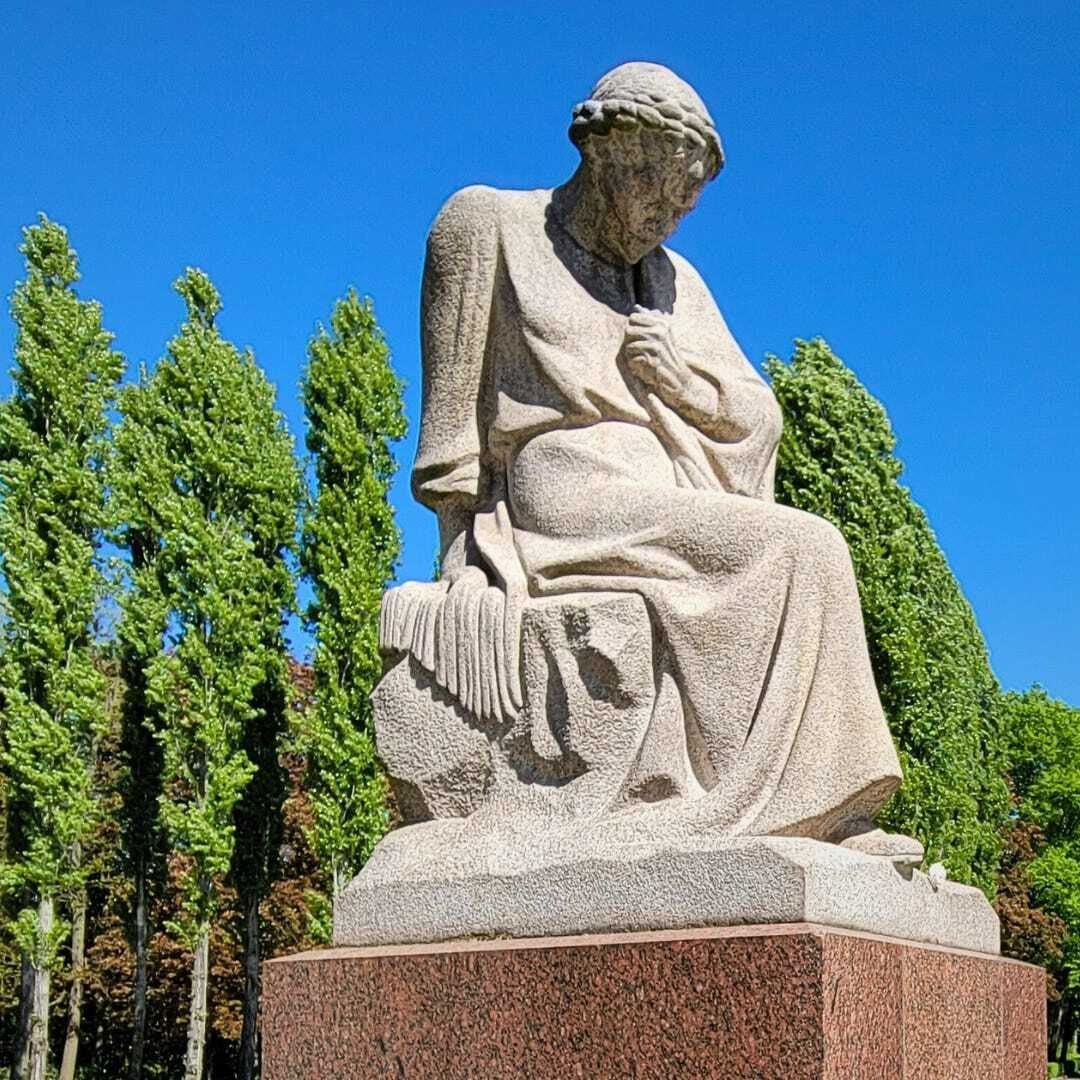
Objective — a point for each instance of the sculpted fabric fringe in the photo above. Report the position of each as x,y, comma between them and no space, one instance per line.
463,637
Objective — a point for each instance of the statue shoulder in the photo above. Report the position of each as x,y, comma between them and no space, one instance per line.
473,203
468,214
478,212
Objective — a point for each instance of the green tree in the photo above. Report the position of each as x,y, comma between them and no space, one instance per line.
837,460
52,444
1028,931
259,823
285,928
1042,744
352,400
142,854
205,467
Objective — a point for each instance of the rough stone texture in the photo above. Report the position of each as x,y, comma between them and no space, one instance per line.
577,746
794,1002
633,657
453,879
862,1014
958,1021
1023,989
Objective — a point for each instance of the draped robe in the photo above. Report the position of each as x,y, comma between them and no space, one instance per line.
572,476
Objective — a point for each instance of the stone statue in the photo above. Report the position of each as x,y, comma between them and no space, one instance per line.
639,695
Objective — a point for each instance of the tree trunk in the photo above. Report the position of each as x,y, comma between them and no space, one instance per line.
138,1031
257,821
196,1037
249,1037
1053,1022
75,998
39,1002
20,1060
1066,1033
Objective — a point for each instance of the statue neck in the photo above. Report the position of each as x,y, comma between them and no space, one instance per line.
586,213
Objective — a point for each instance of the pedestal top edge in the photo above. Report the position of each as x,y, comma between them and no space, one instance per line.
643,937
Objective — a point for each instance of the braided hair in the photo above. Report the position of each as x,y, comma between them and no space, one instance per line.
647,95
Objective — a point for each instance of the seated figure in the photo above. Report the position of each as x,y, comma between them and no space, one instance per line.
631,645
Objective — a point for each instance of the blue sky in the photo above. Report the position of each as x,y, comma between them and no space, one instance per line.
903,179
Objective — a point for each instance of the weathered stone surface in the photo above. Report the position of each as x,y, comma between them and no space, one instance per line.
589,735
747,1003
458,879
634,659
440,764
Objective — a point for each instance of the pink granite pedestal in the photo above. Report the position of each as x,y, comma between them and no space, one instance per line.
796,1002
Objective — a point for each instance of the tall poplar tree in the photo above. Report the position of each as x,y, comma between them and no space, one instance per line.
930,660
352,400
141,855
205,467
259,823
52,444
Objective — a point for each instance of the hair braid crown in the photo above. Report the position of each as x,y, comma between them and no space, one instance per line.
650,95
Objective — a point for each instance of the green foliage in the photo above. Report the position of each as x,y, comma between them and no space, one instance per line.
1042,743
352,400
1028,931
52,447
206,492
837,460
320,912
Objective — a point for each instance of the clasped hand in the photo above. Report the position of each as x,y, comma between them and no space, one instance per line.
653,357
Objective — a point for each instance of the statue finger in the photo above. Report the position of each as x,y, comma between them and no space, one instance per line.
642,334
667,379
643,352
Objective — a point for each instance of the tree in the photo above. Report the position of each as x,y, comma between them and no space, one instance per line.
352,400
258,819
1042,748
142,855
52,445
285,925
205,469
1028,932
837,460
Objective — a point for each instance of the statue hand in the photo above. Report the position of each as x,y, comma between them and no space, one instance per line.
654,357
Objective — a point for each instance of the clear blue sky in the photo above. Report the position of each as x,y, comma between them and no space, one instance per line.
903,179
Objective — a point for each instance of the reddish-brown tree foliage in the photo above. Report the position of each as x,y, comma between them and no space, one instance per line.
1027,932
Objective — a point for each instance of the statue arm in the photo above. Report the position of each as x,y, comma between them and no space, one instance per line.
728,399
695,368
459,279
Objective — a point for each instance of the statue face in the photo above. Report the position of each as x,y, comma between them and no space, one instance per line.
650,180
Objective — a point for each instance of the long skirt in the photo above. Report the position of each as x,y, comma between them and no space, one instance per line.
757,620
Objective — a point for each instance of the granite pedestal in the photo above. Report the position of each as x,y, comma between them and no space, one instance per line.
795,1001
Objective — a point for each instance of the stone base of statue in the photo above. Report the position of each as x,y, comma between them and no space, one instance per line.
591,809
456,879
763,1002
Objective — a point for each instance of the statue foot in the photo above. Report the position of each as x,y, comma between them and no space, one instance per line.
897,848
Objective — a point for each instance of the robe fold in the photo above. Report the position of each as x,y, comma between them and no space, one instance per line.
576,477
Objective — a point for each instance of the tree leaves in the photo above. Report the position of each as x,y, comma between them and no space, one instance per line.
206,490
52,447
352,400
1042,747
837,459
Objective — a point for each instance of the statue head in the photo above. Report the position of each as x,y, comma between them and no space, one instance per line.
649,146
